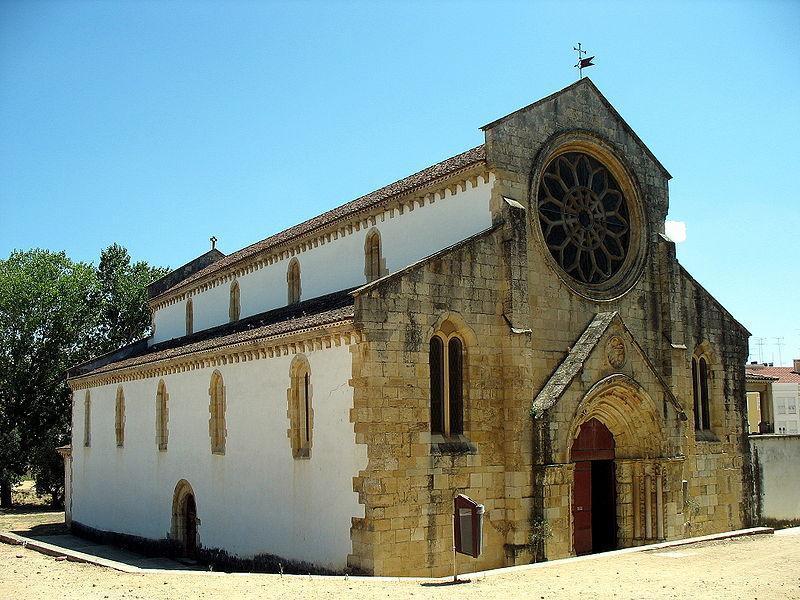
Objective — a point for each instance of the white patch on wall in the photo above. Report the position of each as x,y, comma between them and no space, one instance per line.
675,230
339,264
253,499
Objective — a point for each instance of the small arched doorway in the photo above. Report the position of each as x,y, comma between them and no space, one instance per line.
184,517
594,510
190,539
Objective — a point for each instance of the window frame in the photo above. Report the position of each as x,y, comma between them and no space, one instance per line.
452,418
293,282
702,395
189,317
301,408
217,407
119,417
235,302
162,416
373,256
87,420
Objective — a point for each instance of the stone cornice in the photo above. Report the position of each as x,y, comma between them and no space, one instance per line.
441,189
296,342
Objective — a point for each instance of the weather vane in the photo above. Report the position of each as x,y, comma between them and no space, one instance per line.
582,62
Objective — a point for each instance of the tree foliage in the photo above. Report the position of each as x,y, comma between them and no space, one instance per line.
121,299
54,314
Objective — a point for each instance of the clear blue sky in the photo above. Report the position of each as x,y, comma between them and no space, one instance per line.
158,124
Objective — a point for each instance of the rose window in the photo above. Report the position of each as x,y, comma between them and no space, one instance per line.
584,217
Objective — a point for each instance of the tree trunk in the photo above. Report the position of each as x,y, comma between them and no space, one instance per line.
56,498
5,494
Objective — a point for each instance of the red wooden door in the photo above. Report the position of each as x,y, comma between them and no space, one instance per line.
593,443
582,508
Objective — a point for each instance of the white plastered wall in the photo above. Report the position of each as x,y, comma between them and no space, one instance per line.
786,407
778,483
339,264
256,498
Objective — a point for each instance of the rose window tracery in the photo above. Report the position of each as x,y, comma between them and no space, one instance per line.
584,217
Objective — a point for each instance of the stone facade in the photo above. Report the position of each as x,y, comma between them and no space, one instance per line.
543,356
473,358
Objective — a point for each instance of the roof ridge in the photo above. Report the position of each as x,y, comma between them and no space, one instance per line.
317,321
586,81
401,186
779,374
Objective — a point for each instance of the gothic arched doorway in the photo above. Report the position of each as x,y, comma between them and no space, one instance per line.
184,517
594,510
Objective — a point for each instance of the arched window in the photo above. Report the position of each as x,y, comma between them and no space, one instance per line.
293,281
235,307
189,317
446,359
455,372
119,417
373,261
702,410
301,414
704,401
87,419
216,406
162,416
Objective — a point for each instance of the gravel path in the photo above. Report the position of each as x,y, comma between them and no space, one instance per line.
763,566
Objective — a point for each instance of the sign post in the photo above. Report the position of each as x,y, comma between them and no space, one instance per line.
455,567
467,529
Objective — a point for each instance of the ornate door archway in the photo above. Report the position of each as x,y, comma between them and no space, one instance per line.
594,517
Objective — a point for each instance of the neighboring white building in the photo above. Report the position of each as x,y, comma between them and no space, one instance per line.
785,394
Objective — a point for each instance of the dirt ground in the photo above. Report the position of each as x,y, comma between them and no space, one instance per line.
759,567
32,520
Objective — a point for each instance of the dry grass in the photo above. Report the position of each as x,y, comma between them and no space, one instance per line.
32,521
24,495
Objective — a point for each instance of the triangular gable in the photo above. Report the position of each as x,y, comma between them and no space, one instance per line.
588,84
575,361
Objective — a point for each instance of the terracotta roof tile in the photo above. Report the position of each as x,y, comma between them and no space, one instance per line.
318,312
403,186
758,376
783,374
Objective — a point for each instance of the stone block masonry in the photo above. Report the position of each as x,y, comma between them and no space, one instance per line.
520,319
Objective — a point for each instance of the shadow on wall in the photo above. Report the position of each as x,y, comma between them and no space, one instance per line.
215,559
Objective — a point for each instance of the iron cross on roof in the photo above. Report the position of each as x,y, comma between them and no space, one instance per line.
213,240
582,62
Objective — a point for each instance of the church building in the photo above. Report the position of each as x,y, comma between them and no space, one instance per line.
510,323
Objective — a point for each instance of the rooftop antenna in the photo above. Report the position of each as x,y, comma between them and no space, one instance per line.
213,240
760,343
779,343
582,62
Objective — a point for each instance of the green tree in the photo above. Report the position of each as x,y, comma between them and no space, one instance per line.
44,311
54,314
121,299
12,462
